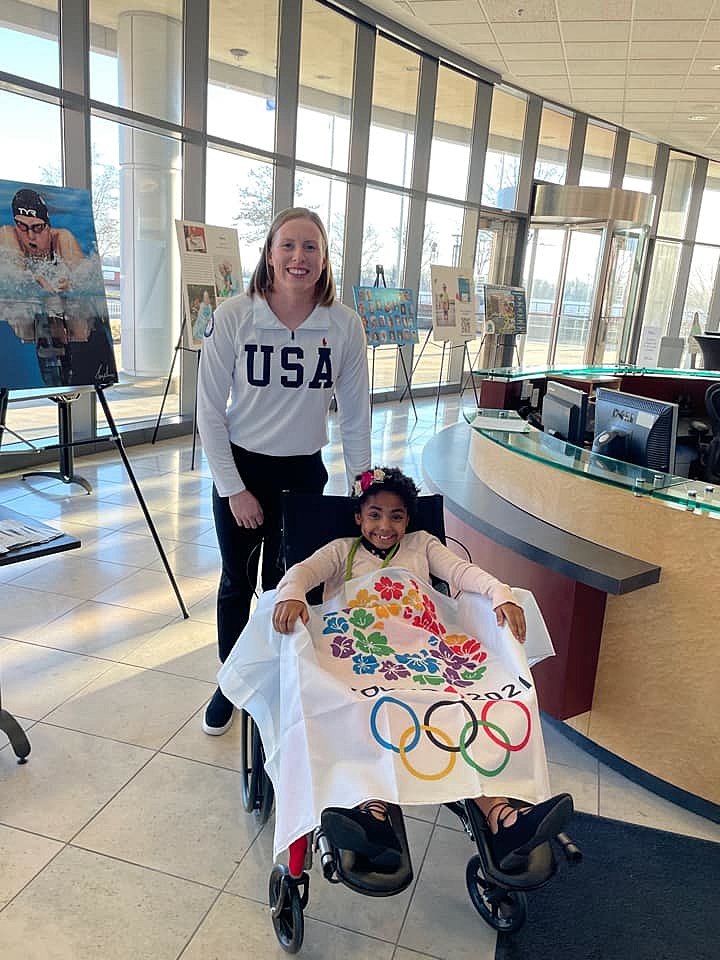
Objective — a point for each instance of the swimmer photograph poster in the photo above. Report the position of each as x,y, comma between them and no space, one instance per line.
54,326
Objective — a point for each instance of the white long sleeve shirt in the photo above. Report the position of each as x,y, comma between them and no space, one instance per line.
419,553
280,383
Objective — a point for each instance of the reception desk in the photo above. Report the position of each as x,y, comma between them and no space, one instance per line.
624,564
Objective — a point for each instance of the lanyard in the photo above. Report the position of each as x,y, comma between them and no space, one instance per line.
354,550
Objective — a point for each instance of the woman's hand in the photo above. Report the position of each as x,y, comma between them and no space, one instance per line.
246,509
285,614
514,616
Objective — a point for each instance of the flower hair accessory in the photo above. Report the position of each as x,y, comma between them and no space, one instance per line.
367,479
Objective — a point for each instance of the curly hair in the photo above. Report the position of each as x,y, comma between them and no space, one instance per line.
394,481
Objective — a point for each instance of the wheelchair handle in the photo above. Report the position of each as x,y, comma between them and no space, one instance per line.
570,849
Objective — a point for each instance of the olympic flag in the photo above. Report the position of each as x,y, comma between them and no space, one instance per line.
392,691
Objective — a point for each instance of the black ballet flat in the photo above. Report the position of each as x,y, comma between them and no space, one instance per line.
511,845
362,833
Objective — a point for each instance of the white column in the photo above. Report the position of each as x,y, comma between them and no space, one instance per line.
150,81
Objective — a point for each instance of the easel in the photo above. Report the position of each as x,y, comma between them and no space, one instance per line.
65,445
380,273
4,428
466,354
178,347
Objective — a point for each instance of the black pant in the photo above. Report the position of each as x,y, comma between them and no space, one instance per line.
265,477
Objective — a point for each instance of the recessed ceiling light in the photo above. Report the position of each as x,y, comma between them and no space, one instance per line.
238,52
715,67
697,116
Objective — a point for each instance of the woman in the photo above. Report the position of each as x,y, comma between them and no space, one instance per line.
279,353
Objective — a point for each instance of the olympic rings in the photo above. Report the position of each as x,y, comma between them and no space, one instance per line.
498,737
507,745
469,760
445,703
376,734
428,776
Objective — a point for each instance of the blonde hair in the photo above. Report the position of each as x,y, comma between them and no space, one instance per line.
261,282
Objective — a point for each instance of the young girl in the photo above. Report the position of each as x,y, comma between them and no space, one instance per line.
386,503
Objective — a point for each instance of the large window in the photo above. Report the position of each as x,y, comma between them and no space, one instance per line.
242,72
239,193
452,134
392,126
640,165
701,282
29,42
707,228
658,304
327,62
502,163
36,154
326,196
676,195
598,154
553,145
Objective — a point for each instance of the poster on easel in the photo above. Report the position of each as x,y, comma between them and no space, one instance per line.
54,323
387,314
211,273
505,310
453,305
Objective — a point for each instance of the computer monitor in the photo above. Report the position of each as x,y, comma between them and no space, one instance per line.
635,429
564,412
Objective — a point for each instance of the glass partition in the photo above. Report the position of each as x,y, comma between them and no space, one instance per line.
676,195
661,288
598,154
242,72
326,196
452,134
392,125
640,165
327,62
502,161
707,228
36,154
29,42
553,145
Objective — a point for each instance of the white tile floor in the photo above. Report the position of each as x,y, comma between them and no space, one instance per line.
123,837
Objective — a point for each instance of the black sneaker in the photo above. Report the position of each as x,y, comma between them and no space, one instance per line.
218,714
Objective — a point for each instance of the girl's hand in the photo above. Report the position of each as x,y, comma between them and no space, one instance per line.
285,614
514,616
246,509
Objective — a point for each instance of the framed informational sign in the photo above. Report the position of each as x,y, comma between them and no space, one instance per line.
453,304
388,315
54,327
211,272
505,309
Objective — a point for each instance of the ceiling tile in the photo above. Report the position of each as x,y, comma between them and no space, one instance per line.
617,82
663,50
538,32
583,30
469,32
709,80
596,51
649,82
538,68
596,68
649,106
706,51
598,106
651,68
448,11
712,30
701,95
669,9
652,30
501,11
659,94
599,92
483,52
534,51
703,68
608,10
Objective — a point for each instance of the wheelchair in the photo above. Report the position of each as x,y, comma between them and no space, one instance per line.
308,522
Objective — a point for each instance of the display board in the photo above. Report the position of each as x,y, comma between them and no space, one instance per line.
453,304
211,272
505,310
387,314
54,326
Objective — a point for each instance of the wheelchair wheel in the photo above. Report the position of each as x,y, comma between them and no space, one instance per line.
250,779
286,909
505,910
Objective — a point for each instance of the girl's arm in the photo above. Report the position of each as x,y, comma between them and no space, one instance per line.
302,577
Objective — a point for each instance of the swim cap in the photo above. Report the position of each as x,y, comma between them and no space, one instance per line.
29,203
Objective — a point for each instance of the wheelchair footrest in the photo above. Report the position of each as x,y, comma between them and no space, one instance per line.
359,874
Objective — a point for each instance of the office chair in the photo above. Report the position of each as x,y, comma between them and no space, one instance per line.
712,453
